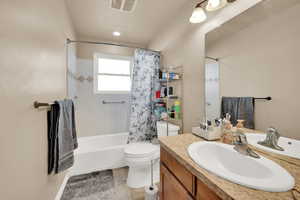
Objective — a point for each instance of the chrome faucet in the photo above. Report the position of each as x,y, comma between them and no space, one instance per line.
271,140
241,145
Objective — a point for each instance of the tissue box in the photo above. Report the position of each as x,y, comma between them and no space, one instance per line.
213,134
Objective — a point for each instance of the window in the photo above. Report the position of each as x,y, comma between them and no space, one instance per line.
112,74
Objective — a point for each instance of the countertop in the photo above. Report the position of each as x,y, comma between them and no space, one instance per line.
177,146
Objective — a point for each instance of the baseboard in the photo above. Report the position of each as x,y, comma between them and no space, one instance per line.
62,187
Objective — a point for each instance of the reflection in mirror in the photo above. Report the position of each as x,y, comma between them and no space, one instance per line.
212,91
258,56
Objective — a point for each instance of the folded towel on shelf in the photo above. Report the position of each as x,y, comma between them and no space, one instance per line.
239,108
62,136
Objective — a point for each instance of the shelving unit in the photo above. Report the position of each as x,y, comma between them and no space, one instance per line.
177,85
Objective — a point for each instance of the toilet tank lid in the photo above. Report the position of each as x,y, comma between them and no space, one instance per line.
163,125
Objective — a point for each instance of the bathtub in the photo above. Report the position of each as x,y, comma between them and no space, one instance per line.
96,153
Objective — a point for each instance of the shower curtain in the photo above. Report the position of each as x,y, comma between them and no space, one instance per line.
145,81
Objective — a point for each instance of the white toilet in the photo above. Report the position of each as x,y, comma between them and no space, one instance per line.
139,155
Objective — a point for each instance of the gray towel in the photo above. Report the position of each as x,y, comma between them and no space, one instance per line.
66,136
239,108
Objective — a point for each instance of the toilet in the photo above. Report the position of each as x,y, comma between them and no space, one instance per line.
138,156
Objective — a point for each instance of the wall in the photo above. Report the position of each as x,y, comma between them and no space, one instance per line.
262,60
93,117
183,44
32,67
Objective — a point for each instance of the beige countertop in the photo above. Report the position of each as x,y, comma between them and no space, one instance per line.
177,146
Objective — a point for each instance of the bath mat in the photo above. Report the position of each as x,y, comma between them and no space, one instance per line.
92,186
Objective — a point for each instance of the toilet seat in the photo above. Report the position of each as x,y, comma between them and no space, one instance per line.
141,150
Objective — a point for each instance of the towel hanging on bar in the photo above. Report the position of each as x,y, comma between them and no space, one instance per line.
62,138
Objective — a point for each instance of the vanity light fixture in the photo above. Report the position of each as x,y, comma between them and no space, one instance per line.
116,33
199,14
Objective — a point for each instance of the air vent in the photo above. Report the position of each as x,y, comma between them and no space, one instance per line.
123,5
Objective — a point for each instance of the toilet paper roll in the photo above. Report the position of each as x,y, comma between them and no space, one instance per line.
151,193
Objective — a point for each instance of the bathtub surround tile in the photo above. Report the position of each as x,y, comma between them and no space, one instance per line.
103,185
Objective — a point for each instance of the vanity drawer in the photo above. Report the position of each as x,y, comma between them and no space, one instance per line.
179,171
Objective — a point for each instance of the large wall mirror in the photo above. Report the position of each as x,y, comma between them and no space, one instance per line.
254,56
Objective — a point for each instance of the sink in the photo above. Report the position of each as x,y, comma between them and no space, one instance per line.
222,160
291,147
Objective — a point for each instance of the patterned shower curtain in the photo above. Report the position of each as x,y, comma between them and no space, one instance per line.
145,81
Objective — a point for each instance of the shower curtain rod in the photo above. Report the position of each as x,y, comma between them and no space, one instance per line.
215,59
107,43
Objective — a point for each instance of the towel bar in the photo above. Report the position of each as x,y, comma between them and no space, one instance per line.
113,102
37,104
266,98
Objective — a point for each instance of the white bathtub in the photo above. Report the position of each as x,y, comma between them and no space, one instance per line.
96,153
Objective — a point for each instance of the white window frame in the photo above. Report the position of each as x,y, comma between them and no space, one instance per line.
96,73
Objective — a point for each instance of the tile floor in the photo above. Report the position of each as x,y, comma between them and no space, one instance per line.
103,185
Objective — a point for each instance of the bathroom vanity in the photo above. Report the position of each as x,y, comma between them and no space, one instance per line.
182,179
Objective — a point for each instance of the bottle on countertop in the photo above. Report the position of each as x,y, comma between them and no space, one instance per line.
240,123
227,136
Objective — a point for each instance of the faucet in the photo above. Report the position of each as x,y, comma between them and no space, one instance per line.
271,140
241,145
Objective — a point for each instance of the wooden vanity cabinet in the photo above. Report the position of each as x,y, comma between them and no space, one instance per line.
170,187
178,183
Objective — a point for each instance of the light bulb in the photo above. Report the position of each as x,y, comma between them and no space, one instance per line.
116,33
198,15
213,5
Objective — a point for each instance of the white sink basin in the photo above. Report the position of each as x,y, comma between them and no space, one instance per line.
291,147
222,160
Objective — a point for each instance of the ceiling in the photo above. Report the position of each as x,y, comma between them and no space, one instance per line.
95,20
259,12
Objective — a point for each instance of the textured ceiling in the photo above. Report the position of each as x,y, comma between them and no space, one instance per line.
95,20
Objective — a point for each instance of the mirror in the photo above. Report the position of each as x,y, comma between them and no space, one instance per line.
253,56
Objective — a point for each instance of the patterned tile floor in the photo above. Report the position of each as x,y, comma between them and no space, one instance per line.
103,185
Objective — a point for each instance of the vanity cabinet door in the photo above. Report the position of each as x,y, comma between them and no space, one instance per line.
170,187
204,193
185,177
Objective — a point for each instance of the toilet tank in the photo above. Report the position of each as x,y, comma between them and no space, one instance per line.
162,129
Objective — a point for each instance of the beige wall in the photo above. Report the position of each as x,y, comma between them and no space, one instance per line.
262,60
183,44
32,67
